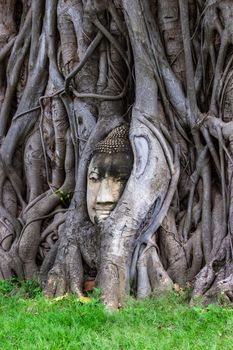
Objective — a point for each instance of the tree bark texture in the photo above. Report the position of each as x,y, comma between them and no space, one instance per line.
70,72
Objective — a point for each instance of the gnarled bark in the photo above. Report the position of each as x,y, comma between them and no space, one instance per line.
71,71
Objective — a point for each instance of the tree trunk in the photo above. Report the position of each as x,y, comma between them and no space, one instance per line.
71,72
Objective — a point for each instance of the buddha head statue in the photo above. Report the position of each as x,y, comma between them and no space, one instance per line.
108,172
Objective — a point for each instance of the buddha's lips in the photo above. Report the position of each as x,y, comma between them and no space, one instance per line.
103,211
102,214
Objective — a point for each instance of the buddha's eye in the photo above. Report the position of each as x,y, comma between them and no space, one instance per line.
94,177
121,179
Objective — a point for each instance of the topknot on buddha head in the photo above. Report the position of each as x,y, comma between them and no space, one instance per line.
117,141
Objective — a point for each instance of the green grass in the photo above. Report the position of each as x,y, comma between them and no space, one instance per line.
28,321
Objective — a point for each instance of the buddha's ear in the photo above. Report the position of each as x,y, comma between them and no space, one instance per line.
141,151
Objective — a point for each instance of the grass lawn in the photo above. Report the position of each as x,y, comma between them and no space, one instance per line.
160,323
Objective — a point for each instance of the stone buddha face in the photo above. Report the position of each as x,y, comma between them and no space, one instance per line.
108,172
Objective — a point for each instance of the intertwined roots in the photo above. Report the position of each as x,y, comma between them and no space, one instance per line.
70,73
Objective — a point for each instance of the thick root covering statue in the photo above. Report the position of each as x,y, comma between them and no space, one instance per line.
116,153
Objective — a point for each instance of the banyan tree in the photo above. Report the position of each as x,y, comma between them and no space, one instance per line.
116,158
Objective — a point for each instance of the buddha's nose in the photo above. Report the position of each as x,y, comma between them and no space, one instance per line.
105,194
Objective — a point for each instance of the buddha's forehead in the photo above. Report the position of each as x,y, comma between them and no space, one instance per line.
113,164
